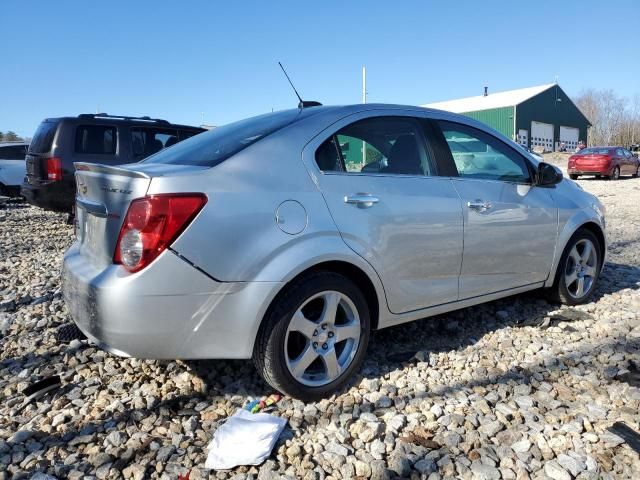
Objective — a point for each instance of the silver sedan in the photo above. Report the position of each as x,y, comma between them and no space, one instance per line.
289,237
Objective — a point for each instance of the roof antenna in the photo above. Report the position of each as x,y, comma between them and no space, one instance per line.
302,103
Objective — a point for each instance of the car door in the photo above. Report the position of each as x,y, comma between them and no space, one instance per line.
630,165
510,225
380,183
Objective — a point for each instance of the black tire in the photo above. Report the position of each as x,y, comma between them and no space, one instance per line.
269,349
573,176
598,177
559,292
615,175
3,191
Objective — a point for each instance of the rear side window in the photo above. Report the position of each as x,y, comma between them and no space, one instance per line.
42,141
96,139
478,155
389,145
147,141
213,147
13,152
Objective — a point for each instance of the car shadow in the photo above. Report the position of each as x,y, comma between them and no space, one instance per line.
461,328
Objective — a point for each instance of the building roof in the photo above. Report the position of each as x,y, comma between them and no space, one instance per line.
509,98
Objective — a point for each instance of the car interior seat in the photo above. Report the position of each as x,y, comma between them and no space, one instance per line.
404,157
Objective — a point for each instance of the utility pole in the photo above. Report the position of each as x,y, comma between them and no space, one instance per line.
364,100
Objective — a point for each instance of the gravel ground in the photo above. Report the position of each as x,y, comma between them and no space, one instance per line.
517,388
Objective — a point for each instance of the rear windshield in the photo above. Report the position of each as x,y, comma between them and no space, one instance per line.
42,141
213,147
594,151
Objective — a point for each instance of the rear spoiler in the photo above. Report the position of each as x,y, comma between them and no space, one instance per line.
99,168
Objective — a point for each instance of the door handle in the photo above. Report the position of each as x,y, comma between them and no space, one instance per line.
361,200
479,205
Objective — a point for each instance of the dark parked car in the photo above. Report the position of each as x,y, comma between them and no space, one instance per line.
99,138
608,162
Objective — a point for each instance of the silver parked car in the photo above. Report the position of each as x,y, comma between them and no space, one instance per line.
288,237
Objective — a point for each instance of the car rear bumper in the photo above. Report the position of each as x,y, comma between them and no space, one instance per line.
589,171
56,196
168,310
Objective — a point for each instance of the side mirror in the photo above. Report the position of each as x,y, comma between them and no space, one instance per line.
548,175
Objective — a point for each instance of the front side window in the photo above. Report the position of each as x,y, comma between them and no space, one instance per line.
477,154
96,140
388,145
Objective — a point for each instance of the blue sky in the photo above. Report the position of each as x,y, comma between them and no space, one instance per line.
175,60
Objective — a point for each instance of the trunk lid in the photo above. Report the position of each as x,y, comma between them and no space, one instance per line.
591,160
102,199
104,194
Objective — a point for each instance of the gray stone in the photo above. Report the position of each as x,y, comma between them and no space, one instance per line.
336,448
553,469
425,466
483,471
573,465
400,464
491,428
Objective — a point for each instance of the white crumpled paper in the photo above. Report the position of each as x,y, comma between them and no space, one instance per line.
244,439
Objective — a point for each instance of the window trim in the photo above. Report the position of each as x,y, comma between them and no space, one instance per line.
417,124
92,125
502,147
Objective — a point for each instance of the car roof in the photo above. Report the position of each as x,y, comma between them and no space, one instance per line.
111,119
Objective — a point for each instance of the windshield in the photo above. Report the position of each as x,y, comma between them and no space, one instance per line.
213,147
594,151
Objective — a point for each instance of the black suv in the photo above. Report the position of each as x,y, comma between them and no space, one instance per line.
100,138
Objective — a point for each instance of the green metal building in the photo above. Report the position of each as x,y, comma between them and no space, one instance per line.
542,117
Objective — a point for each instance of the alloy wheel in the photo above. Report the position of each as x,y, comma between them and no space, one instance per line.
581,268
322,338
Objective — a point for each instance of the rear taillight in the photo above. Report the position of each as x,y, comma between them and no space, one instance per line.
152,223
54,169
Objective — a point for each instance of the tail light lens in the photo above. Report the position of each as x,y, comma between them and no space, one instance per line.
54,169
152,224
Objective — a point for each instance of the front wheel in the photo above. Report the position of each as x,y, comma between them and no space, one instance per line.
314,336
578,269
573,176
615,175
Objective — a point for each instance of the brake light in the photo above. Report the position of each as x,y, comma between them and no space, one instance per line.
152,224
54,169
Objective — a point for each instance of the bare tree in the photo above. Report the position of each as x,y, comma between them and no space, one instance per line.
615,120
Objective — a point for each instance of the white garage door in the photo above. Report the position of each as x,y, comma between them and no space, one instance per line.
542,135
569,136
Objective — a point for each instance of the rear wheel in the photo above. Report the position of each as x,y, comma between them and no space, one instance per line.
615,175
578,269
314,336
573,176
